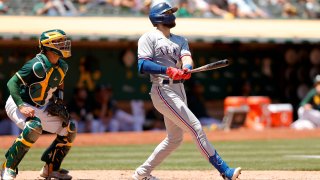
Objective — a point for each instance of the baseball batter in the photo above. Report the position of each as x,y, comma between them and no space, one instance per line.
166,57
31,88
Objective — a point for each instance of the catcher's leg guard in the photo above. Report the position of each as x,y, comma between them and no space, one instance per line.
59,148
22,144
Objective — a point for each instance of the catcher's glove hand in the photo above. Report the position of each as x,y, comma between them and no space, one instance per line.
57,108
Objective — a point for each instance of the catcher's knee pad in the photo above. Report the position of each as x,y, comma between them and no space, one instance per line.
32,130
22,144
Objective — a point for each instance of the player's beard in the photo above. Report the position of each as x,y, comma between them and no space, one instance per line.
171,25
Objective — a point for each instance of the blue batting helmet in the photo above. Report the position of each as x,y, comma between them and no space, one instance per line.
162,13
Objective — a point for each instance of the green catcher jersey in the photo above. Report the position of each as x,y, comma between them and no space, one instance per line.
40,79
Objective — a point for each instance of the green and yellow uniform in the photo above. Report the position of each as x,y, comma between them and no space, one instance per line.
31,88
309,110
39,79
312,98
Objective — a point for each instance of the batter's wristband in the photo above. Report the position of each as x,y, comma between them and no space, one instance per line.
188,66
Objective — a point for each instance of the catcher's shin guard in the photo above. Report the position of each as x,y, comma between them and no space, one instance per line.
59,148
22,144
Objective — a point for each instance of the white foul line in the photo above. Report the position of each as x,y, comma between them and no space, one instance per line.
303,156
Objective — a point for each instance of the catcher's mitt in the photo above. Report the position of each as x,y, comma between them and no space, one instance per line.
57,108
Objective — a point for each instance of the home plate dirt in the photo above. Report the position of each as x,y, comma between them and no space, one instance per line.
182,175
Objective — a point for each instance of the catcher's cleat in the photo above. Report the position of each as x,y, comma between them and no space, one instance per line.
8,174
232,173
64,171
137,176
49,174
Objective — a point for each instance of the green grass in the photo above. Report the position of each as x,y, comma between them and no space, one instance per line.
251,155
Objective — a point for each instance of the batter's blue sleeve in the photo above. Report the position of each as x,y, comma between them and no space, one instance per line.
149,67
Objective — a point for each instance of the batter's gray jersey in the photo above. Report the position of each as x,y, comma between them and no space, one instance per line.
170,99
154,46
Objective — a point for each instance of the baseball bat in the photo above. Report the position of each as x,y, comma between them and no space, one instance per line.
211,66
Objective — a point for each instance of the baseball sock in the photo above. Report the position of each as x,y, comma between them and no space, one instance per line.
218,163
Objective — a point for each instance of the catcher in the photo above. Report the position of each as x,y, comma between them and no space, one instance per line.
28,106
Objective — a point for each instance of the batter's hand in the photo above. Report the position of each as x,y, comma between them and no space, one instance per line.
186,74
27,111
174,73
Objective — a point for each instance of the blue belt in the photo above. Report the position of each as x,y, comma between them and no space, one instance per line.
173,82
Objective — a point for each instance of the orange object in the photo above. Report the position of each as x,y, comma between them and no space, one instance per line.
258,116
235,112
281,115
234,101
261,113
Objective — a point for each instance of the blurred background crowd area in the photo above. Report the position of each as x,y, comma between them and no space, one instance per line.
104,92
227,9
103,100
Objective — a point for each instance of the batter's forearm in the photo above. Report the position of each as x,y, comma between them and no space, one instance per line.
187,62
149,67
14,87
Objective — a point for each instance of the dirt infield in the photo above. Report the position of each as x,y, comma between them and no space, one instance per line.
155,137
185,175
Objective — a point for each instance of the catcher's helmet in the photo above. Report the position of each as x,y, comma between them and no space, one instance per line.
56,41
162,13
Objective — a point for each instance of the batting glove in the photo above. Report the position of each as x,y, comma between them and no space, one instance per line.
174,73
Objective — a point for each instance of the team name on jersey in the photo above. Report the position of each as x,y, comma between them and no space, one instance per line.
167,50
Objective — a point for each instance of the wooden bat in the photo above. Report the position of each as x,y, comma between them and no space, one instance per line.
211,66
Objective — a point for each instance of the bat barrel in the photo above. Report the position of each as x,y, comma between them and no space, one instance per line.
211,66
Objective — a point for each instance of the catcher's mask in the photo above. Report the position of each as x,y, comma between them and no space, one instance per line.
56,41
162,13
